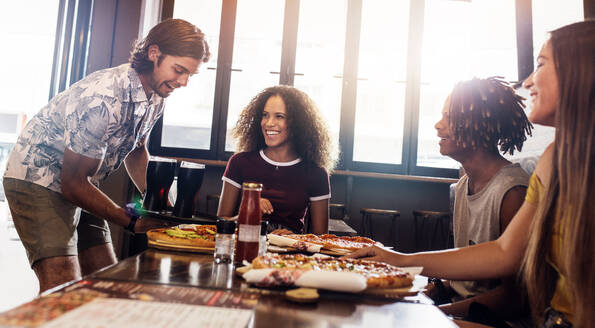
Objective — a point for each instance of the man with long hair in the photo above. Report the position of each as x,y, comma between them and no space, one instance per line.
80,137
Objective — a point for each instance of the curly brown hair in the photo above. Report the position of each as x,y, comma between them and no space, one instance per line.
487,113
308,132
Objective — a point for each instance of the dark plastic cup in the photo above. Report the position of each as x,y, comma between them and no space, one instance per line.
190,176
160,175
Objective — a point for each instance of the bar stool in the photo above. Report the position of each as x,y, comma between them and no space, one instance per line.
432,230
336,211
367,221
211,197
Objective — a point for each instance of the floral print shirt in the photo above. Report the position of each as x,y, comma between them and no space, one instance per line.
102,116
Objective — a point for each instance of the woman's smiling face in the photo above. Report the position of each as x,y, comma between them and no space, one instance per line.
543,88
274,122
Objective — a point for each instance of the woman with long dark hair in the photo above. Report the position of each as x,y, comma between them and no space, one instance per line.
550,241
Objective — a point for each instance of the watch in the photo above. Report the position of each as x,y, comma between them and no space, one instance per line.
132,213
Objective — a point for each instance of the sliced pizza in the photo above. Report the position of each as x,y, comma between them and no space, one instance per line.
185,235
333,242
377,274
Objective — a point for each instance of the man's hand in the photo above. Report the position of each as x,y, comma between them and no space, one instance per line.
265,206
143,224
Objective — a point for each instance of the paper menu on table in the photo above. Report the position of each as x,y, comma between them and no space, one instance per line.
111,312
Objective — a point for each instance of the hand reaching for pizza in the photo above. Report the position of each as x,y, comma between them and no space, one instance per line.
265,206
144,223
376,253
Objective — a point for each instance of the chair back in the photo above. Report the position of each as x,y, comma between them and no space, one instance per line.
433,230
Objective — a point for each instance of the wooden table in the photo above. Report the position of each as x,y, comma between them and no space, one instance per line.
273,310
191,275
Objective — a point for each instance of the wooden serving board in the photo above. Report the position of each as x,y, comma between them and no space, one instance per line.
182,248
335,252
419,284
287,249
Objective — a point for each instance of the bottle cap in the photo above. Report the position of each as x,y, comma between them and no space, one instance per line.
263,227
225,226
252,186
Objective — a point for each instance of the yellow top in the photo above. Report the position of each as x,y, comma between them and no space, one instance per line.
561,300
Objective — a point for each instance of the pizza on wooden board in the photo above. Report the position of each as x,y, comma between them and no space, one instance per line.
377,274
332,242
186,235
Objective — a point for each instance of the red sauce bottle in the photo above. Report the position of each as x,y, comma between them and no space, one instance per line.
249,223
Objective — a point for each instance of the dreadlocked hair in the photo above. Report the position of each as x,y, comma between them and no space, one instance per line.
487,113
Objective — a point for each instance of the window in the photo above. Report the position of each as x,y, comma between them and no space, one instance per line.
187,122
379,70
381,78
551,14
28,32
319,56
452,51
256,56
547,15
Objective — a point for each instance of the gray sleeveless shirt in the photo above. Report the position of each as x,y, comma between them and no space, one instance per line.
477,217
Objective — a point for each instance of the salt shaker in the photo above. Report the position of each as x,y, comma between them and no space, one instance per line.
262,241
225,241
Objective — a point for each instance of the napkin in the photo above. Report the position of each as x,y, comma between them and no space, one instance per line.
297,244
329,280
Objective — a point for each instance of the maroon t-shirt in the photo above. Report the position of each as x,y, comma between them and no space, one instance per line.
289,186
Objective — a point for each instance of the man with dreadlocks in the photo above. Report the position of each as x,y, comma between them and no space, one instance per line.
478,116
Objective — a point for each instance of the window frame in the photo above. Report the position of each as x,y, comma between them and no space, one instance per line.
408,166
73,33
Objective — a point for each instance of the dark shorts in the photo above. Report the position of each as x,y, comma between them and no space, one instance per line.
48,224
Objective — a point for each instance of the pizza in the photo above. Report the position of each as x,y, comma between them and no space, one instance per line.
332,242
186,235
377,274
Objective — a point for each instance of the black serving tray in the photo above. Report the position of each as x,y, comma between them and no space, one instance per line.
202,218
167,216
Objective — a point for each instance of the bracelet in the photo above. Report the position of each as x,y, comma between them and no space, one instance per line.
133,215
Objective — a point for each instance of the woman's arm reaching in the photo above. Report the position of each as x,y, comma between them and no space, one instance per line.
494,259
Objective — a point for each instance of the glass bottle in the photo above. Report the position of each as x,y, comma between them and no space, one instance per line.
262,242
225,241
249,222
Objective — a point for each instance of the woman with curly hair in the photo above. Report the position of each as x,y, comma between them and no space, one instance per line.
550,240
283,143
